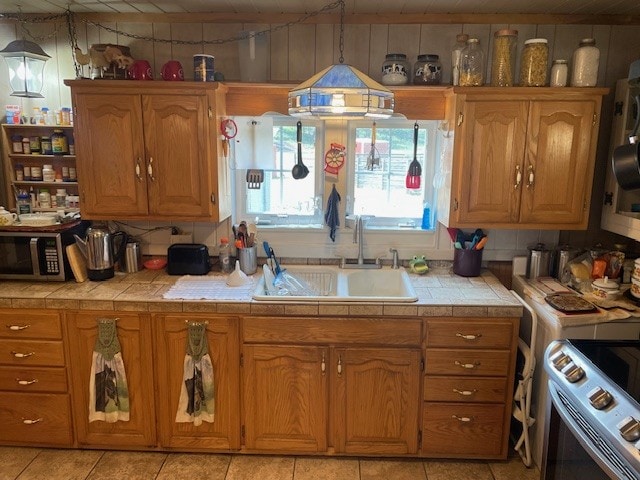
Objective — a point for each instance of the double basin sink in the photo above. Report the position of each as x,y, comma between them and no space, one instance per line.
332,284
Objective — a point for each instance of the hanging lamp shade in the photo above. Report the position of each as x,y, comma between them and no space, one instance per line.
341,90
25,61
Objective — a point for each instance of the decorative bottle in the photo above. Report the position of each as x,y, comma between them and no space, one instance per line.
585,63
461,42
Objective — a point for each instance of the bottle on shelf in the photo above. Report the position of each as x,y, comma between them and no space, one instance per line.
23,203
585,64
44,198
472,64
461,42
59,143
559,73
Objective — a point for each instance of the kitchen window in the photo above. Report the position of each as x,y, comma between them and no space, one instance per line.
280,199
378,178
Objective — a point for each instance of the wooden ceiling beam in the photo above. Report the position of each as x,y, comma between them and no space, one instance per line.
382,18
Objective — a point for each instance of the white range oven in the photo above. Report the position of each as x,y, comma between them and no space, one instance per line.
553,326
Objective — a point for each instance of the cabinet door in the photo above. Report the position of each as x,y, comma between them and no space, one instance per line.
559,162
285,398
489,153
376,400
178,174
110,155
222,338
134,334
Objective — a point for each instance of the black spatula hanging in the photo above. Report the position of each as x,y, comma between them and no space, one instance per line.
414,173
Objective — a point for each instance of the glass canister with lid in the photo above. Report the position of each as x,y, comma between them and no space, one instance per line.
533,66
586,59
559,73
503,60
395,69
472,64
427,70
456,51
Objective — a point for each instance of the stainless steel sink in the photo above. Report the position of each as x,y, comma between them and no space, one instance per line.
331,284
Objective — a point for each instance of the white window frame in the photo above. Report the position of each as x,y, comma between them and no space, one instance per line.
277,220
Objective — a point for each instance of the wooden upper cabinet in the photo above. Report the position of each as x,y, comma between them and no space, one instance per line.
150,150
523,157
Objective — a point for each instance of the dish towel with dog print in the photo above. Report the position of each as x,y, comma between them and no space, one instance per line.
196,404
108,391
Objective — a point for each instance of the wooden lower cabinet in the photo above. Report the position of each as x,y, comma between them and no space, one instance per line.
468,386
34,401
170,343
135,337
334,385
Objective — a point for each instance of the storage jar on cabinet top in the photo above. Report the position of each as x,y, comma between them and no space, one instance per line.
586,58
503,60
472,64
559,73
427,70
456,51
395,69
533,66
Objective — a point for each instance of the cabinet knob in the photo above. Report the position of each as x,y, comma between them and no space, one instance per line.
150,169
138,172
323,365
462,419
518,177
470,336
465,393
28,421
22,355
26,382
17,327
530,176
467,365
339,364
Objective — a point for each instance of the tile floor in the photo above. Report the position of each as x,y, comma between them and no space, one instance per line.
50,464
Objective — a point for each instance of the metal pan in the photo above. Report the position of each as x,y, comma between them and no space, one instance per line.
624,160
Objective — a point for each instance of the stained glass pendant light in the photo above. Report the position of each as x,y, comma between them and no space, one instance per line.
26,61
341,90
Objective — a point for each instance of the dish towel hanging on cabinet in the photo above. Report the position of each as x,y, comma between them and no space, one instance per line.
108,391
196,404
331,217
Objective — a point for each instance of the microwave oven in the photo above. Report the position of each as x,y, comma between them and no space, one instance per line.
37,253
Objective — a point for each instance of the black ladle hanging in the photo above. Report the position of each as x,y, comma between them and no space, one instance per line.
625,159
299,170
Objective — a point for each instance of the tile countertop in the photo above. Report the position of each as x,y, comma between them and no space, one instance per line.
440,293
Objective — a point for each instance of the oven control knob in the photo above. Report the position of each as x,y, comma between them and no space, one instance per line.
600,398
573,373
560,360
629,429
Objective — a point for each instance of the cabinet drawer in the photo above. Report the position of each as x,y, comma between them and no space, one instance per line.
370,331
20,379
462,429
465,389
31,352
49,414
470,333
450,361
29,324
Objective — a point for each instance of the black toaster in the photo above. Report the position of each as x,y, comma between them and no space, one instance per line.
188,259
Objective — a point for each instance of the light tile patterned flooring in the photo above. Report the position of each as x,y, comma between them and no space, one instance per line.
50,464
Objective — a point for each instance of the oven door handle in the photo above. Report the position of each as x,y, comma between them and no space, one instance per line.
586,443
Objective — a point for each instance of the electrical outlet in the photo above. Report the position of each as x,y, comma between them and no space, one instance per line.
183,238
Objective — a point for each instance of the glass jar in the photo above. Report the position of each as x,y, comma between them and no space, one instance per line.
427,70
533,66
44,198
461,42
48,173
61,197
26,145
59,141
36,173
472,64
16,144
586,58
396,69
559,73
45,146
503,60
35,144
19,172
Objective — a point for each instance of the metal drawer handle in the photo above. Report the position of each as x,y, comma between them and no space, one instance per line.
462,419
339,364
469,336
323,365
22,355
18,327
26,382
467,365
28,421
465,393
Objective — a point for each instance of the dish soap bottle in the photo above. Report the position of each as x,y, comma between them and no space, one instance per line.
225,256
426,217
